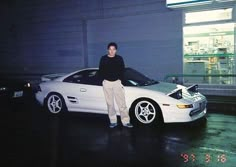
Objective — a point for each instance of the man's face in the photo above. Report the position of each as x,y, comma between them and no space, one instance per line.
112,51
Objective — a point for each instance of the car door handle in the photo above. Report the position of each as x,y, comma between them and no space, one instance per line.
83,90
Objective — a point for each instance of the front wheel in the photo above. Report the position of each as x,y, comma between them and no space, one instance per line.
55,103
146,112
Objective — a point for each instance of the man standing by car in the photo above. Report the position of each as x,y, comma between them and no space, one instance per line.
111,69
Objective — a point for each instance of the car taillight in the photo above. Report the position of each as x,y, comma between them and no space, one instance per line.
3,89
27,85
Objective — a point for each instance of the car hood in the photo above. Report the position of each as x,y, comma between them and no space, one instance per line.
164,87
167,88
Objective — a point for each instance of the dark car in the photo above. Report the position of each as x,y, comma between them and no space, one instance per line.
14,91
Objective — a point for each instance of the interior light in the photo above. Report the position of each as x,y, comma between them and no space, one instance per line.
212,15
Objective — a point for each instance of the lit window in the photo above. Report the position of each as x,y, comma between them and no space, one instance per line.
186,3
213,15
209,50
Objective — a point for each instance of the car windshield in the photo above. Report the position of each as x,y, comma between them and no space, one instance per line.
135,78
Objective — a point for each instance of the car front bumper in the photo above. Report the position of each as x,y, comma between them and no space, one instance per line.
187,115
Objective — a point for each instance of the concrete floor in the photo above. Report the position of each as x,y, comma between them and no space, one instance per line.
31,137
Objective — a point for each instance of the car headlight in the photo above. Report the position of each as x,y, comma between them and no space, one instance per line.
184,106
3,88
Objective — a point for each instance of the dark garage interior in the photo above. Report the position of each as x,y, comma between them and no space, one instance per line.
178,45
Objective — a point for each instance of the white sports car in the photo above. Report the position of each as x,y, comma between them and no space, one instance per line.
149,101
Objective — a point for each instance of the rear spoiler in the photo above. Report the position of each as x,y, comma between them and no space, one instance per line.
50,77
176,94
193,88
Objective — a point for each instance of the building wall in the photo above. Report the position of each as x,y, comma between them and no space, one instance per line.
148,34
7,35
42,37
151,43
61,36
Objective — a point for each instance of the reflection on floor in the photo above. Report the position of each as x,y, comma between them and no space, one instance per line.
31,137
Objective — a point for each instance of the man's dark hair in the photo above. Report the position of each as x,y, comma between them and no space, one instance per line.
112,44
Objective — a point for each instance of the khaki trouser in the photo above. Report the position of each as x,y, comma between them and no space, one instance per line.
114,89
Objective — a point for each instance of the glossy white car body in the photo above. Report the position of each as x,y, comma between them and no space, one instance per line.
80,97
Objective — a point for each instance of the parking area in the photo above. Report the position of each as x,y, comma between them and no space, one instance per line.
169,61
32,137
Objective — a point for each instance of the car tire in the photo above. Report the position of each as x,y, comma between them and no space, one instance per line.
55,103
146,112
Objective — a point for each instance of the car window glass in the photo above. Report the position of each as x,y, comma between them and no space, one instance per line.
92,74
89,77
135,78
92,78
75,78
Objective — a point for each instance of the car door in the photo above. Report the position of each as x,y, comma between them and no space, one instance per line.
72,91
85,92
91,93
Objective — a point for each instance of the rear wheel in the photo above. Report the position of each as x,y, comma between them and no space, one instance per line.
146,112
55,103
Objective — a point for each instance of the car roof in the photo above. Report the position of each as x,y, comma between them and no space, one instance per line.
69,74
84,69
